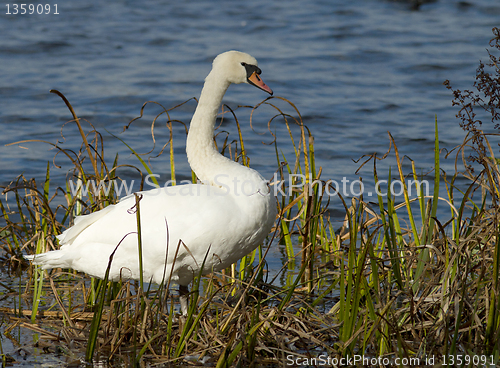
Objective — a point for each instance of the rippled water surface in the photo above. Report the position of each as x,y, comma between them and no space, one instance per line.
354,69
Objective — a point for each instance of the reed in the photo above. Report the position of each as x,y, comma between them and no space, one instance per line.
399,280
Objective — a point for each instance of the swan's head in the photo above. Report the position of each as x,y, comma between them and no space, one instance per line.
238,67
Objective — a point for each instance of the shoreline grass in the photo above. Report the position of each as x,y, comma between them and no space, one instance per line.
397,282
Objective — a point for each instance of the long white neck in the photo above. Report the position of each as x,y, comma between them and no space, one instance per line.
202,155
208,164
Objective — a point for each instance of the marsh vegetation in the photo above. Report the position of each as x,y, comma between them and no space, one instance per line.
397,281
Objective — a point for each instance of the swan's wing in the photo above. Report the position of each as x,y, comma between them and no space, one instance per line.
180,223
81,223
179,207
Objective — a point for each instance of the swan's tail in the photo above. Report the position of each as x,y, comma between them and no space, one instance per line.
59,258
52,259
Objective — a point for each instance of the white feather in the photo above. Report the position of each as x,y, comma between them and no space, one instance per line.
228,216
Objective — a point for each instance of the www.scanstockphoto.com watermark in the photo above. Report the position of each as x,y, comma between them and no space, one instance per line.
278,187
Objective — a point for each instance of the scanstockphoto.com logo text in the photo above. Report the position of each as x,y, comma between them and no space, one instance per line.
277,186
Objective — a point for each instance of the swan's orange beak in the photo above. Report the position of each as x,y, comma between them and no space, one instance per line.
257,82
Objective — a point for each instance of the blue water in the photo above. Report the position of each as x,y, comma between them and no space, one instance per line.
354,69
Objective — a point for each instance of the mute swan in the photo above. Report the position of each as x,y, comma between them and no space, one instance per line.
223,219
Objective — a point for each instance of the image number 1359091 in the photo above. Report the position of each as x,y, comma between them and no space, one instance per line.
29,9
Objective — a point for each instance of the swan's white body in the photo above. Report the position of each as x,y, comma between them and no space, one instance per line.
223,219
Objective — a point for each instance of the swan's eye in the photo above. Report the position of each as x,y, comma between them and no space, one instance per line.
243,63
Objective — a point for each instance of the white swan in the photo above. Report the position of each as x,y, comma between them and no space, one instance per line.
228,215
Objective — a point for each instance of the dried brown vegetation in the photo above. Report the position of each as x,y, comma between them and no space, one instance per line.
398,282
